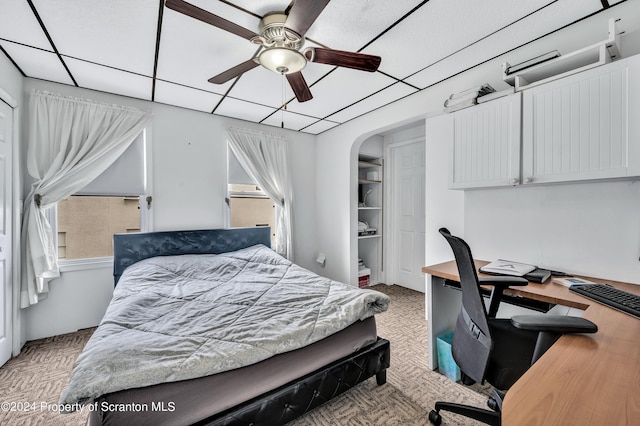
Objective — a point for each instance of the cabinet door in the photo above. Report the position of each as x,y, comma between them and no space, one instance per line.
576,128
486,149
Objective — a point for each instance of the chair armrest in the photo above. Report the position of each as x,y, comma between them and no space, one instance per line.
503,281
554,323
499,283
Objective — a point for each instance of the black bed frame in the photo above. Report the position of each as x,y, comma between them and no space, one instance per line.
287,402
294,399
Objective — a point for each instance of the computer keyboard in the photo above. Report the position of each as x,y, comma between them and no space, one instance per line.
617,299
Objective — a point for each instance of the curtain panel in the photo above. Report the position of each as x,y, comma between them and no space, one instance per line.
265,158
71,142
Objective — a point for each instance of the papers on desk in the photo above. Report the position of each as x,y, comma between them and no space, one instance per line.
517,269
507,267
569,281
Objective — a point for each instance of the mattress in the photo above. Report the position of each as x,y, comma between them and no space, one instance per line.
189,401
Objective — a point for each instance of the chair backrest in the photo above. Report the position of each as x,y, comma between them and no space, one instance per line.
472,343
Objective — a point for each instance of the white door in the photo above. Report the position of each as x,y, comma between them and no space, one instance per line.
6,159
407,215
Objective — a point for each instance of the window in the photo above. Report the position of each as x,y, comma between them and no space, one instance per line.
248,204
113,203
86,224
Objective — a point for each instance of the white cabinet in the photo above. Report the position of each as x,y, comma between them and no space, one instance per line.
370,199
486,148
584,126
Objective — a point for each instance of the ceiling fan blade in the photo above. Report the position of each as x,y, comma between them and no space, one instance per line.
299,86
340,58
234,72
209,18
303,14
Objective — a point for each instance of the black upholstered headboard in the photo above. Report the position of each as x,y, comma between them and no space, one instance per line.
131,248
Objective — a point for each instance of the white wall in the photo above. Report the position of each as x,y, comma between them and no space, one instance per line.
189,178
584,228
10,78
444,207
336,153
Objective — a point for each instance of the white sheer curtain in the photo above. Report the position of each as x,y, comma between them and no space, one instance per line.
265,158
71,142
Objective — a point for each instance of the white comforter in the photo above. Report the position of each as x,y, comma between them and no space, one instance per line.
180,317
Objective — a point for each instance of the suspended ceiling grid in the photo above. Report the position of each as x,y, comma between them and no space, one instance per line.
142,49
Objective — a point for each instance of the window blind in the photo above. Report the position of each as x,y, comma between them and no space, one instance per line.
237,175
125,176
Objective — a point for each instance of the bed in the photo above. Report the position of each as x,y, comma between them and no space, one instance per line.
270,376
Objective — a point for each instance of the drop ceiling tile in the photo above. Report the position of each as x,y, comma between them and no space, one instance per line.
110,80
349,25
186,97
290,120
234,14
340,89
19,24
320,126
261,8
116,33
237,108
37,63
442,27
384,97
191,52
533,26
263,87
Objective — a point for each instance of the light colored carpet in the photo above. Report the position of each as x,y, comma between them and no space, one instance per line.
33,381
411,389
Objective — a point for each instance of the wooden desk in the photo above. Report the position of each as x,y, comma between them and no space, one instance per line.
590,379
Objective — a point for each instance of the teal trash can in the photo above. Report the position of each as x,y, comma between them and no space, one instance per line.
446,363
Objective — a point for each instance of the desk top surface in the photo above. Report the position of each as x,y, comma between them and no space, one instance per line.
588,379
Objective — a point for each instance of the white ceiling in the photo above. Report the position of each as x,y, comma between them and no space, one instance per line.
141,49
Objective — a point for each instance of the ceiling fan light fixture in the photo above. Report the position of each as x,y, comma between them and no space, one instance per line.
282,60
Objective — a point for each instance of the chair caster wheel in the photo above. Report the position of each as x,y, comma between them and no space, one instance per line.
466,380
435,418
493,404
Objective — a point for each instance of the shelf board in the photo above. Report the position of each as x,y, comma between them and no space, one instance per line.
580,60
367,237
369,208
369,158
365,164
368,181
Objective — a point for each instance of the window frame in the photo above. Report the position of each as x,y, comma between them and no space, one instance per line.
146,217
249,194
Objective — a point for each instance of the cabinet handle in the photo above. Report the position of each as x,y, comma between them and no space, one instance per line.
528,180
514,181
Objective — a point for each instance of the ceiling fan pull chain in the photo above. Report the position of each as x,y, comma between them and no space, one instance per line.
284,105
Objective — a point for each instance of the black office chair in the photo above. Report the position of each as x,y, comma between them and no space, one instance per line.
496,350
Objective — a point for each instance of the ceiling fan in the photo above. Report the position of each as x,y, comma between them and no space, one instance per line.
281,37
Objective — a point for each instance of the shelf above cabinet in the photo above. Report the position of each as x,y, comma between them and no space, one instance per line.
580,60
